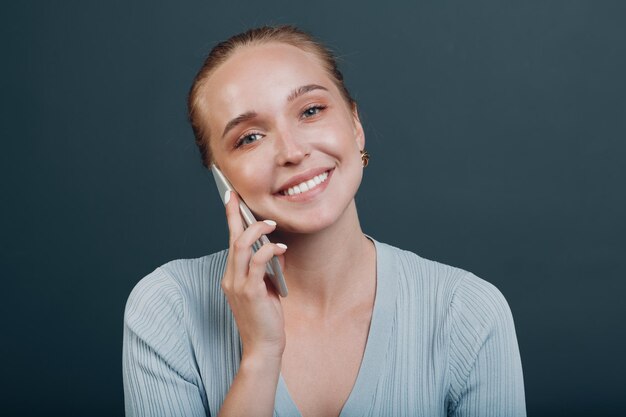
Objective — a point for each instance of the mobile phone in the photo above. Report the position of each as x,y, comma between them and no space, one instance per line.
273,269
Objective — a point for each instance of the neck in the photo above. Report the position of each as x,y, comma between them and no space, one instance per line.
331,269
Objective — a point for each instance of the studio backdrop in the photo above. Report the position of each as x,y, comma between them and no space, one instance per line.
497,131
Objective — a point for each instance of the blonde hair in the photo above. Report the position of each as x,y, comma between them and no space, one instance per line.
222,51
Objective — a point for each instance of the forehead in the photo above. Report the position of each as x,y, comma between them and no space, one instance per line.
258,76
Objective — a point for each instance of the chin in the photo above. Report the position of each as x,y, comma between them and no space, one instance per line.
307,225
316,221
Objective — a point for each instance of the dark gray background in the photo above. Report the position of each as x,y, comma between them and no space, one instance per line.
497,132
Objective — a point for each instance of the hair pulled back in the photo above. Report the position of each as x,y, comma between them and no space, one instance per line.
222,51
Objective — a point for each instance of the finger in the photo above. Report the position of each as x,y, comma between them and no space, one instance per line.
233,217
259,261
235,229
271,290
242,247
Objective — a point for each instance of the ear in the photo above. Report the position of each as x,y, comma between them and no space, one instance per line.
359,134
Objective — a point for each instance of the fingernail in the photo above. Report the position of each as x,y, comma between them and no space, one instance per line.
270,222
281,245
226,197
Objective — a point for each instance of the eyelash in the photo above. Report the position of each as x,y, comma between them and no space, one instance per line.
320,108
243,138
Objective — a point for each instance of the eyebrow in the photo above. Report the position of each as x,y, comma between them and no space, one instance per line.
244,117
239,119
303,90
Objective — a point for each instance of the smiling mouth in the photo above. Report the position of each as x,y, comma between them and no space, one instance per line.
306,185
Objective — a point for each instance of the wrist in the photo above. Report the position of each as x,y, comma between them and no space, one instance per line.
254,363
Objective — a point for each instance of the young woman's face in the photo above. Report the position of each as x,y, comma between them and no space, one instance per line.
277,121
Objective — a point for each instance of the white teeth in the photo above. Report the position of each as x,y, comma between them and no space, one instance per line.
306,185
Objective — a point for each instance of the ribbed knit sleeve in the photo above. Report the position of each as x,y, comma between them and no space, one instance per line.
158,378
485,367
441,343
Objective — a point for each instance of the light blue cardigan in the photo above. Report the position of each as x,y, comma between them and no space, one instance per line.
441,343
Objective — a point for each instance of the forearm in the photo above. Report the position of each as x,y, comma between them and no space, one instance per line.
253,390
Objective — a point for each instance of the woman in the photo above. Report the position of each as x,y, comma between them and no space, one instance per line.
367,329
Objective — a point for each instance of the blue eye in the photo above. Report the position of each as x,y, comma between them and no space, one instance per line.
312,111
248,139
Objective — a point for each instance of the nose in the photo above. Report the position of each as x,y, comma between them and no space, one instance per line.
290,149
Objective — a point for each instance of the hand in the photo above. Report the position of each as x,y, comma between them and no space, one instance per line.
255,304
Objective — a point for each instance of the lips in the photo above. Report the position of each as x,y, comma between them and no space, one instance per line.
306,185
303,179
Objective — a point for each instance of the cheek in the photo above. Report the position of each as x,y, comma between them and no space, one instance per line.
252,174
252,178
339,142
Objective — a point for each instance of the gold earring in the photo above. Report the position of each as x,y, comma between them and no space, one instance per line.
365,158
